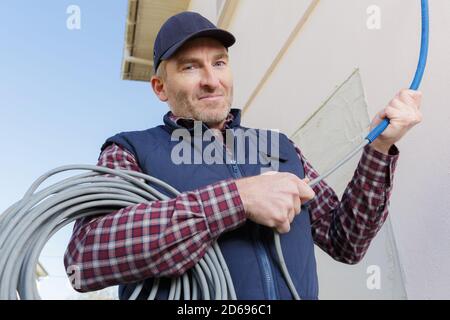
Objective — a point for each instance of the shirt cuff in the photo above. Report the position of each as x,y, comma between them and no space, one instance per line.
223,207
378,168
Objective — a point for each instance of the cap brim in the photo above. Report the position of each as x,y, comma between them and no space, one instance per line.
224,37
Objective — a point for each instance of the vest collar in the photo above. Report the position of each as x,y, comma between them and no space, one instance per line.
174,123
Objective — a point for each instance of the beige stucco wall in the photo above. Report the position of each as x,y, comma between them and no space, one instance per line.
330,45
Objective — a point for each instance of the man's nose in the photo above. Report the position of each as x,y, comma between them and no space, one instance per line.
210,78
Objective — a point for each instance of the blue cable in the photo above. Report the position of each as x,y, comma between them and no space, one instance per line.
419,72
376,132
369,139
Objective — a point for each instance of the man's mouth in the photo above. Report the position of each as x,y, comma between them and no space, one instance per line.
211,98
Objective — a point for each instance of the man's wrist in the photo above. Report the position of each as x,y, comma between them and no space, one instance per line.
381,147
242,186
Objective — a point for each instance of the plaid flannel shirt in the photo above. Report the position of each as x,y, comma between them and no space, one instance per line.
166,238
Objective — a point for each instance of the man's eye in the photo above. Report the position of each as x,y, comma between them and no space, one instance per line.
189,67
221,63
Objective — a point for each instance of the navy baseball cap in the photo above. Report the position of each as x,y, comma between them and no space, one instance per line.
185,26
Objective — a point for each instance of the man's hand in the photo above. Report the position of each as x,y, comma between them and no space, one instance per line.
404,113
274,199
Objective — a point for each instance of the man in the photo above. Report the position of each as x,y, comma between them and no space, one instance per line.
232,203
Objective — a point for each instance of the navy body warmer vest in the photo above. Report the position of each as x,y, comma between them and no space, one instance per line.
249,250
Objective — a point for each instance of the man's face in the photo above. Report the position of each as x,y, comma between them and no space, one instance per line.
199,83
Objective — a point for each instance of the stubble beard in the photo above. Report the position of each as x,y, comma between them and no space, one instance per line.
208,113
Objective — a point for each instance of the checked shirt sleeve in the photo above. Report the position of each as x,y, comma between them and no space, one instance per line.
161,238
344,229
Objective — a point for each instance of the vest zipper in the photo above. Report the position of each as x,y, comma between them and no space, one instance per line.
265,263
261,250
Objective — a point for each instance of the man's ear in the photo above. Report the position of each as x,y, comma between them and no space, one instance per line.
158,87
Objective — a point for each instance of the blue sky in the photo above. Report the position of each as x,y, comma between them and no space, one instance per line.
61,97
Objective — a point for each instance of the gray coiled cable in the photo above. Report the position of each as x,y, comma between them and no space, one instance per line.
27,225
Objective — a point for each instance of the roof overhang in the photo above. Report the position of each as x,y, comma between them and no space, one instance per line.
144,19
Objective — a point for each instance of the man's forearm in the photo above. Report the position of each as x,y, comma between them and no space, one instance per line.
344,229
161,238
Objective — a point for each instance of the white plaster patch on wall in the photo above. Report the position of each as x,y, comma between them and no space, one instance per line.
339,125
335,129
